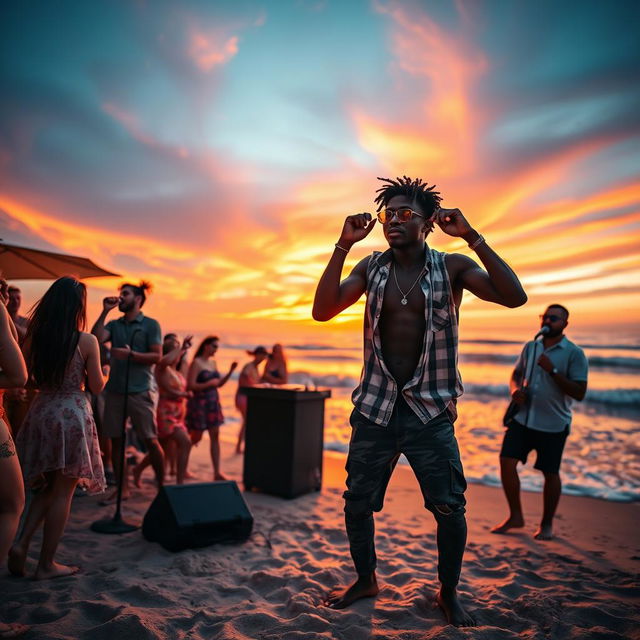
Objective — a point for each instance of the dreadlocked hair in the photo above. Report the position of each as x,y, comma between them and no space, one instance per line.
420,192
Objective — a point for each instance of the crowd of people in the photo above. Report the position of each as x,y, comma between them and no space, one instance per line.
74,399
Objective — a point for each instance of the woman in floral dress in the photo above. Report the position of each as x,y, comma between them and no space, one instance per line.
58,442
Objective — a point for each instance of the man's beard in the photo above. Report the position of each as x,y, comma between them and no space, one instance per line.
124,307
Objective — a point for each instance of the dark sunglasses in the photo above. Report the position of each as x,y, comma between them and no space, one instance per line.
402,214
550,317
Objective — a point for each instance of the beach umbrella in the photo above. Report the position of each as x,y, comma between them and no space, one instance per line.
21,263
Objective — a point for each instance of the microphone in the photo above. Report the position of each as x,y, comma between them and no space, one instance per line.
543,332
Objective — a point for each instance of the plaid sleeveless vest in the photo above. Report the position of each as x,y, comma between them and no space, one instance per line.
436,382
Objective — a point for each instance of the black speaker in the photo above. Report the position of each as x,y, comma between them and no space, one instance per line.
190,516
284,441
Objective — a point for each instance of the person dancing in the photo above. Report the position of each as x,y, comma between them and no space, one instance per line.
204,412
406,399
58,442
171,409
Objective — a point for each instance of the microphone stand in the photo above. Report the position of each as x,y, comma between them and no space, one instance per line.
527,378
117,524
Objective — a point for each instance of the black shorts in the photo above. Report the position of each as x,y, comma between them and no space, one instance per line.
520,440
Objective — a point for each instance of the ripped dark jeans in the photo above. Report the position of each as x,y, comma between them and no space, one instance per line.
432,452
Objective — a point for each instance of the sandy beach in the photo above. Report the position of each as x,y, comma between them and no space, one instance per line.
584,584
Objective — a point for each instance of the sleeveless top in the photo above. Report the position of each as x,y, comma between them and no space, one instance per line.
436,383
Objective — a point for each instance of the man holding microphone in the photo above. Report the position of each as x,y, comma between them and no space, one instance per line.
137,339
547,377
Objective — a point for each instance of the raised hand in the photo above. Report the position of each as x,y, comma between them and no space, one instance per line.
356,228
452,222
110,302
186,343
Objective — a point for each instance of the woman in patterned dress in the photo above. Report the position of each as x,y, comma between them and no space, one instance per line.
58,442
204,412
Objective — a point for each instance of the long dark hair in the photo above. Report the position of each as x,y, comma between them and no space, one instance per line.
208,340
54,330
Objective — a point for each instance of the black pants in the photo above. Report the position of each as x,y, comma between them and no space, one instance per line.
432,452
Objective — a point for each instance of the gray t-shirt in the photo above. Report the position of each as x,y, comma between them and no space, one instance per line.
550,408
147,333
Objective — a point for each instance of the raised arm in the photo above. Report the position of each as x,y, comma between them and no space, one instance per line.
173,357
333,296
98,329
219,382
498,283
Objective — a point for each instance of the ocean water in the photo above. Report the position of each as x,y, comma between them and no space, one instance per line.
602,454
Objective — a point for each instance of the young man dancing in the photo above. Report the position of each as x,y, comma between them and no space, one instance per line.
406,399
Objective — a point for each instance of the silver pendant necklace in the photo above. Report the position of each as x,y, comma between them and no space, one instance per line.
404,295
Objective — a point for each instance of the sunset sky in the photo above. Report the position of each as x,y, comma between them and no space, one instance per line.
215,148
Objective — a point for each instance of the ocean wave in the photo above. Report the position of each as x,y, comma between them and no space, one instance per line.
612,397
593,484
621,347
331,380
596,362
617,397
614,362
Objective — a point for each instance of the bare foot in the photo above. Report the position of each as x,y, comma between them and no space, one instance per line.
189,476
456,615
512,522
218,476
16,559
56,570
12,629
363,587
544,532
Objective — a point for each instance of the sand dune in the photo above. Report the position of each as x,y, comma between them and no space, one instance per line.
582,585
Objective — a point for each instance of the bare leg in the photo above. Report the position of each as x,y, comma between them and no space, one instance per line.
36,511
11,491
241,437
55,521
511,486
241,406
363,587
214,440
551,497
170,454
157,459
139,468
183,446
